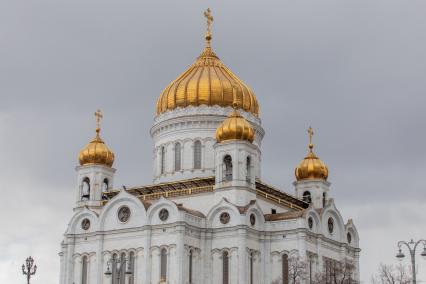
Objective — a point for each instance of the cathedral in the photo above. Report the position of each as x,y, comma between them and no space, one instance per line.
208,217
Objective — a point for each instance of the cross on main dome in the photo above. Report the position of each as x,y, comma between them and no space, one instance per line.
207,82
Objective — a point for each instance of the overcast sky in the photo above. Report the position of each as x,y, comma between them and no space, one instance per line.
354,70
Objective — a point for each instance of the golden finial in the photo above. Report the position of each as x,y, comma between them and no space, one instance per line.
311,133
99,116
209,18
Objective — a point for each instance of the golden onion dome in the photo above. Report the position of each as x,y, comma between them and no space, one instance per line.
207,82
311,167
235,127
96,152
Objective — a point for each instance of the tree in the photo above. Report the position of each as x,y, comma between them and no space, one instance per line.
297,271
335,272
392,274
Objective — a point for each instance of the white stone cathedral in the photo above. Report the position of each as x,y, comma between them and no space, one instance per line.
208,217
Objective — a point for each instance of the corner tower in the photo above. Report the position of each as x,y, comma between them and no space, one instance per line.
95,173
190,109
311,183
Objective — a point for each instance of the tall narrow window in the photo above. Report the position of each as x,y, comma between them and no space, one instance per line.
163,265
178,157
163,160
285,268
225,269
197,155
105,189
227,163
85,189
324,196
84,270
114,266
131,266
190,266
251,267
122,269
248,169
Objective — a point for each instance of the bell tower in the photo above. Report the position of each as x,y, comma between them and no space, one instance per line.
95,174
237,159
311,183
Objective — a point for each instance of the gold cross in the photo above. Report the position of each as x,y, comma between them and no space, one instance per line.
99,116
311,133
209,18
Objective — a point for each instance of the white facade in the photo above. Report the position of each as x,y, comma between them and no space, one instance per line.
206,219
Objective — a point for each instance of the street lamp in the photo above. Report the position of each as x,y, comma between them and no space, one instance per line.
412,246
118,268
29,269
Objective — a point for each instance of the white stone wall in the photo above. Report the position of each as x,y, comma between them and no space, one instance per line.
145,234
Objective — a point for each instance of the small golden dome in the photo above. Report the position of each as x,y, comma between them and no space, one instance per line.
96,152
235,127
207,82
311,167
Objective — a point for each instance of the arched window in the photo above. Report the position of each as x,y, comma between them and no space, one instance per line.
114,266
105,185
190,267
197,155
225,269
105,189
163,160
85,189
248,169
163,265
307,197
131,266
285,268
324,198
227,164
251,267
178,157
122,269
84,270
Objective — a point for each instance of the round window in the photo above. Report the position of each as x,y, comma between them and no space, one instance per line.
330,225
252,219
349,236
224,218
163,214
85,224
310,223
124,214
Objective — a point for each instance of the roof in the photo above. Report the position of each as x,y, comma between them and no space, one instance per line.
202,185
284,216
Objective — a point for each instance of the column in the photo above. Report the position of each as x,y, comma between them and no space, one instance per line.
179,259
242,256
140,268
92,269
147,261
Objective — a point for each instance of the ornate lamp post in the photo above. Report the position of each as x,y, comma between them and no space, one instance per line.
119,268
412,246
29,269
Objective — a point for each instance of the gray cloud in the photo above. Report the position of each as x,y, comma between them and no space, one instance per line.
354,70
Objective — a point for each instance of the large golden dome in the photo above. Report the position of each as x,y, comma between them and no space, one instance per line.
235,127
207,82
96,152
311,167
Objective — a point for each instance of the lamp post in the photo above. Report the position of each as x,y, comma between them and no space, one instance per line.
412,246
120,267
29,269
